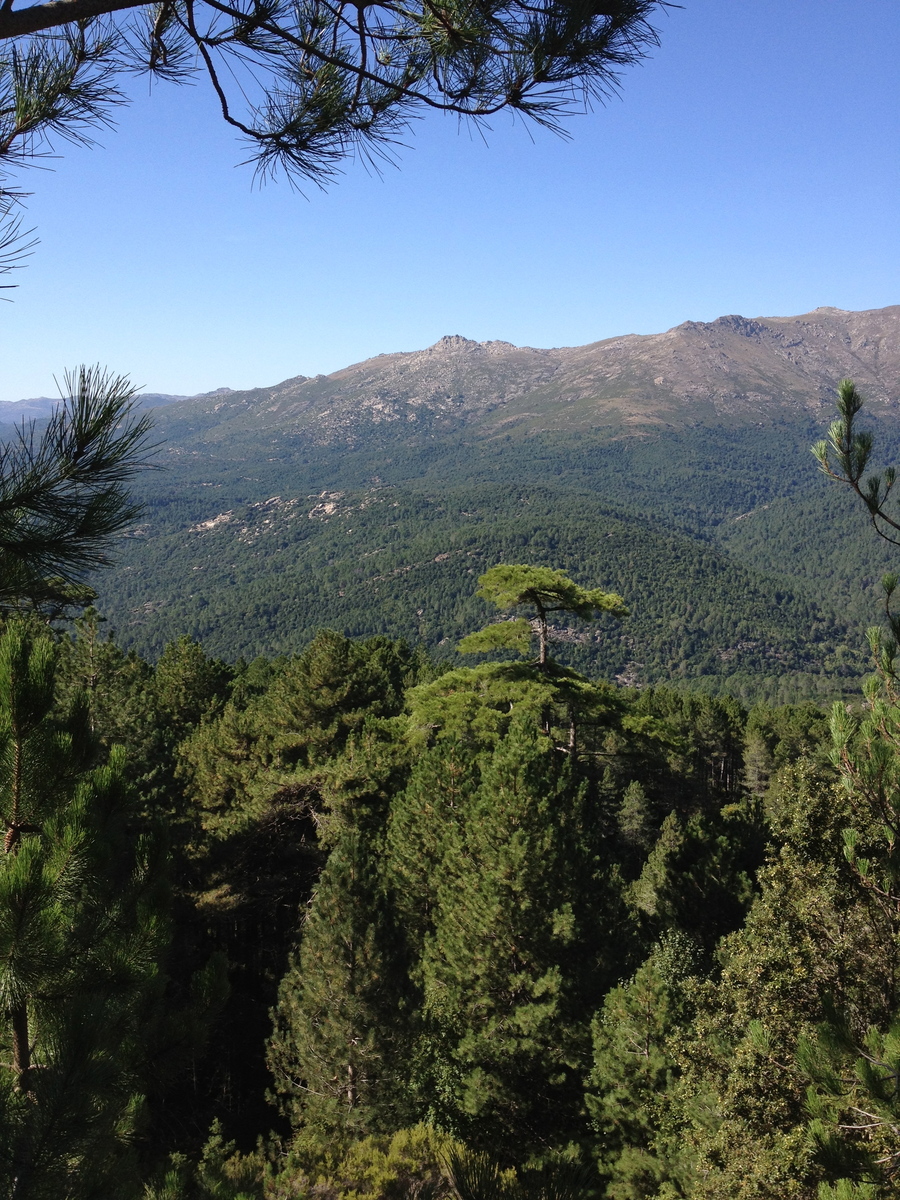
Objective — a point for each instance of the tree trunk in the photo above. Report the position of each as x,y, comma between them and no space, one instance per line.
542,634
21,1047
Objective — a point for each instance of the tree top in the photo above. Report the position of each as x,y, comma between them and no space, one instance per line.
549,590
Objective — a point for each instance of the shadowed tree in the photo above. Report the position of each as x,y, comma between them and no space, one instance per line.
80,937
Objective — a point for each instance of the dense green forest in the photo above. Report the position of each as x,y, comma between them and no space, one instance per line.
391,916
744,574
359,922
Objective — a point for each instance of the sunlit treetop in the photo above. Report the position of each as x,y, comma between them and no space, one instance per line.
543,591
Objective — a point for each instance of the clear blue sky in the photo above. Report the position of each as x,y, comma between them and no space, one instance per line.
751,166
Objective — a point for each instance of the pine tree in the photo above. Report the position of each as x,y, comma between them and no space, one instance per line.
117,688
630,1087
741,1099
63,494
852,1058
333,1053
634,818
188,686
521,934
339,1050
700,875
80,938
543,591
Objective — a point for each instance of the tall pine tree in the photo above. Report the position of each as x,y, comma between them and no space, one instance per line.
80,938
523,918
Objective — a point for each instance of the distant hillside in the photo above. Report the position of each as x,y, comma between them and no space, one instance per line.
674,468
13,412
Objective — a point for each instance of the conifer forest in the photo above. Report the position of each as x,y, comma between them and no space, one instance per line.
472,773
360,923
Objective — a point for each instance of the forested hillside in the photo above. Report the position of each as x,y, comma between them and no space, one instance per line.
264,577
675,468
510,911
742,569
358,922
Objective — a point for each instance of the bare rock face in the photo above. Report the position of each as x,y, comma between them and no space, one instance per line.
733,370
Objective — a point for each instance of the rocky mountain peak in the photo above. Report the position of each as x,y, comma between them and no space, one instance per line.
454,341
734,369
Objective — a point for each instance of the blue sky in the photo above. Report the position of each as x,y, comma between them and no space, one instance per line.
751,166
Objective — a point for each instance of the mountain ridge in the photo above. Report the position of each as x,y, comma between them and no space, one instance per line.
733,370
672,468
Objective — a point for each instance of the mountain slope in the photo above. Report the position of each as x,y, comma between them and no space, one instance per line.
263,577
728,371
673,468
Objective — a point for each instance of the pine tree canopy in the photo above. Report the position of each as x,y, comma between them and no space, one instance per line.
63,494
81,935
543,591
306,85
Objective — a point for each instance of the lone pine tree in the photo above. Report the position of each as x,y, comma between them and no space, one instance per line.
542,591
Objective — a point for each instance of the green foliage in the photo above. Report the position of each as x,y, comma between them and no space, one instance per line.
630,1086
188,687
635,818
479,857
740,1103
853,1104
511,586
221,1174
63,494
475,705
408,1163
262,784
510,953
777,737
341,1020
846,1189
482,833
544,590
699,877
338,1044
80,941
845,455
268,744
652,517
357,91
477,1176
504,635
852,1059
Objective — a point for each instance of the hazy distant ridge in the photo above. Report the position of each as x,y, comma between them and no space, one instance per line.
40,407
